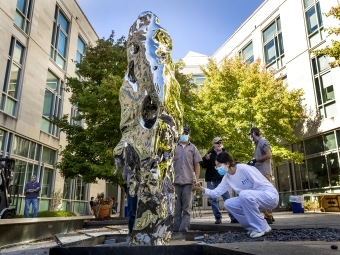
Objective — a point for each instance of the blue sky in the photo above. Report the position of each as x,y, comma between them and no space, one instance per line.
197,25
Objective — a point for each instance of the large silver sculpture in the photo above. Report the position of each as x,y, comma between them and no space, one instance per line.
150,118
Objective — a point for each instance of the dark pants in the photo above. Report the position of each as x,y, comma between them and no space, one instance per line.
214,201
132,207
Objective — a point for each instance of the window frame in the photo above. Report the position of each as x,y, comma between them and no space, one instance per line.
56,106
12,62
320,97
250,59
26,16
279,60
55,40
320,29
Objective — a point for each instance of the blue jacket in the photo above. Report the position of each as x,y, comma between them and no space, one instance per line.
32,185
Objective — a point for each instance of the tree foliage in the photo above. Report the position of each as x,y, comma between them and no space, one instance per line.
88,152
237,96
334,50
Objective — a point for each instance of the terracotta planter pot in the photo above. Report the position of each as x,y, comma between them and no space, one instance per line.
104,211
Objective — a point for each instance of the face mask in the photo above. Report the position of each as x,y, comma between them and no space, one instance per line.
183,138
251,138
221,170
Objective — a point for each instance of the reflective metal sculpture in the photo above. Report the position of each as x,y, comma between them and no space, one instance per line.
150,118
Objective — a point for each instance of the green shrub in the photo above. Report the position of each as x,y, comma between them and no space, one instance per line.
50,214
56,214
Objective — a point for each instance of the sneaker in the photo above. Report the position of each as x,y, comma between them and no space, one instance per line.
255,234
218,221
234,221
269,221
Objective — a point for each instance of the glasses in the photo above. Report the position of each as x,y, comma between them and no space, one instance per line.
219,142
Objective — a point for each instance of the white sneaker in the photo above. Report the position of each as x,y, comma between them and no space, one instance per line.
255,234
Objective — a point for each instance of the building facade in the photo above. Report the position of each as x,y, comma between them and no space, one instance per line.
282,33
41,42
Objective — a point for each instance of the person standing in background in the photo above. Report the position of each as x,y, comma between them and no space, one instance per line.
32,190
261,160
187,170
213,178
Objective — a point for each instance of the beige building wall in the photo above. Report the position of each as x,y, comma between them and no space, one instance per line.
26,122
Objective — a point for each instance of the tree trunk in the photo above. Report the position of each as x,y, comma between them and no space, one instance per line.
122,203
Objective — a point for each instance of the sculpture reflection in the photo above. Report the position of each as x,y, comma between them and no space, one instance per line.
150,118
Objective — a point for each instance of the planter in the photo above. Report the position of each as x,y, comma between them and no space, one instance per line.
104,211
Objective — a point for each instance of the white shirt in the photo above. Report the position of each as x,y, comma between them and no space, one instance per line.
245,178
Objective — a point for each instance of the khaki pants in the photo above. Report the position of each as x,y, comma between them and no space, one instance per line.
268,214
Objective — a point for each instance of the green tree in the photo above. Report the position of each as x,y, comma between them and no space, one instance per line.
88,152
237,96
334,50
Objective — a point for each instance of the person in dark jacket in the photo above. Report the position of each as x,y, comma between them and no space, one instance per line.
32,190
213,178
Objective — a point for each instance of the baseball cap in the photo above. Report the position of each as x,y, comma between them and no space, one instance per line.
254,129
217,139
186,129
224,157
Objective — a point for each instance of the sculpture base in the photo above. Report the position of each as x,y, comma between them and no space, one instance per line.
140,250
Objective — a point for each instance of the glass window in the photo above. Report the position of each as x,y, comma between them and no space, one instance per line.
330,142
314,145
62,21
48,156
317,172
283,178
308,3
12,83
52,81
20,146
2,135
333,164
46,182
31,170
52,104
32,150
273,45
330,110
66,190
80,189
247,53
314,22
23,14
19,175
59,38
324,88
269,32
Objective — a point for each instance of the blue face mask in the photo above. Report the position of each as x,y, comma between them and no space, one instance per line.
183,138
221,170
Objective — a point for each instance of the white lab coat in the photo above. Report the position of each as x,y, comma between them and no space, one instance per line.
255,193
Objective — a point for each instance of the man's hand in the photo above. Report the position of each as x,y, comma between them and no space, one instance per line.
207,156
252,162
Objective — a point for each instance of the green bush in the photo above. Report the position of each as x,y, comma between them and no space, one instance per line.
50,214
56,214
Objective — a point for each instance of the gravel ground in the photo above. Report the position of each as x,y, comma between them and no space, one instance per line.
319,234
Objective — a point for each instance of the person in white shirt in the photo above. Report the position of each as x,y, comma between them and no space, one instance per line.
255,193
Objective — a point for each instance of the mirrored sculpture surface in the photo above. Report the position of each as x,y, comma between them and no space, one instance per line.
150,118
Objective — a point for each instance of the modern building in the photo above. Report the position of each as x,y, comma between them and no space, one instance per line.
41,41
282,33
193,62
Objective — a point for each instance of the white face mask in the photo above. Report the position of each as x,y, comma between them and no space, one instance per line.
251,138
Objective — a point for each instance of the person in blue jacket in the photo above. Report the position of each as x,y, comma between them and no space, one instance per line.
32,190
